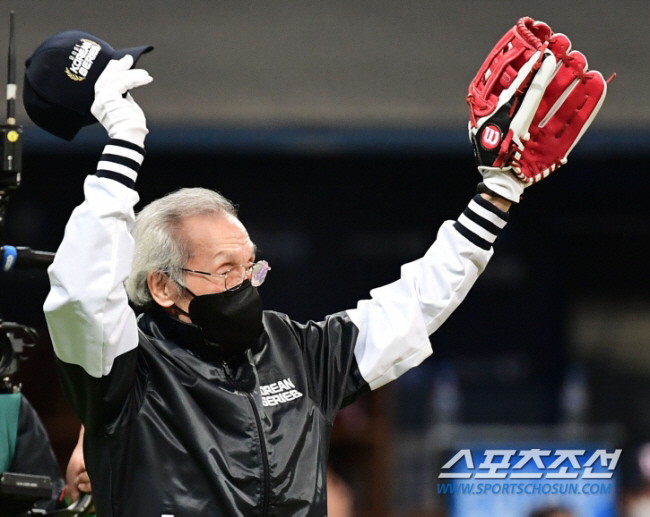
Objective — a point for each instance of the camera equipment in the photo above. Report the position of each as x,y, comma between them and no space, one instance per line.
12,142
15,342
15,338
11,152
19,492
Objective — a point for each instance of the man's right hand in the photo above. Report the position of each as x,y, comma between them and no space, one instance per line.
119,114
76,476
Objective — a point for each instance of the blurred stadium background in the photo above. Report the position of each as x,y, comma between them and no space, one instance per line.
339,127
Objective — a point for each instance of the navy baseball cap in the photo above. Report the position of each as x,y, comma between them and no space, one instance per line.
60,76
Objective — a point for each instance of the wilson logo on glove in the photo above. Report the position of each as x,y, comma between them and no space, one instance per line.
491,137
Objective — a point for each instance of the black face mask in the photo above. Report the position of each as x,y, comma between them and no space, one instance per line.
232,320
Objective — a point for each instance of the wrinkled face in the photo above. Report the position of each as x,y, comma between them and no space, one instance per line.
217,243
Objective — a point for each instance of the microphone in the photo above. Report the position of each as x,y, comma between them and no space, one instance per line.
24,258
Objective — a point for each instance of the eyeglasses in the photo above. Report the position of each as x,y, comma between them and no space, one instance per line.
234,277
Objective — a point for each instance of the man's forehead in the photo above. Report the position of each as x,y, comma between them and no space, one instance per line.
215,231
219,222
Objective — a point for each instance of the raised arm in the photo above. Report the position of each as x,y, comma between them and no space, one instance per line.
395,324
92,327
530,103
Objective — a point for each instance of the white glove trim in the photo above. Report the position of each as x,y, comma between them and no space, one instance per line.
502,182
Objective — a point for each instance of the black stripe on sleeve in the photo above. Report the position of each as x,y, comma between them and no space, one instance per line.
120,178
128,145
472,237
122,160
489,206
481,221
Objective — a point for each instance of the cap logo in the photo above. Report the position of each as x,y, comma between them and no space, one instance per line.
82,58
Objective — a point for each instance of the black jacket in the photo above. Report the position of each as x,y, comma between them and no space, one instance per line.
171,429
251,433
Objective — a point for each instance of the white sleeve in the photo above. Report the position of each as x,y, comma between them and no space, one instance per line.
87,309
395,324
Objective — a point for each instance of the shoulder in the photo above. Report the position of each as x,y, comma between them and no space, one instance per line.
277,324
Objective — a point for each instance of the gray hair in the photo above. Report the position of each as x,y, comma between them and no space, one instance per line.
159,246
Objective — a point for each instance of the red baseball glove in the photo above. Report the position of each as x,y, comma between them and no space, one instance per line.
530,103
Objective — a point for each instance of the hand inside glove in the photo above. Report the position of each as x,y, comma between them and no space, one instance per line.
530,103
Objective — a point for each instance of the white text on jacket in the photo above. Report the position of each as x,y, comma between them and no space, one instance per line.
279,392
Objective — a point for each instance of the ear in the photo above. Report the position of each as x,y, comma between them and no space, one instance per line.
162,290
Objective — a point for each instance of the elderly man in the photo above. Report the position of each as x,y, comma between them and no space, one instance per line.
208,405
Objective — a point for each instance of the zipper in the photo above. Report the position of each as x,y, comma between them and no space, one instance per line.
266,496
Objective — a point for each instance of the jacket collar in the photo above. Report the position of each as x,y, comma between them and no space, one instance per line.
156,323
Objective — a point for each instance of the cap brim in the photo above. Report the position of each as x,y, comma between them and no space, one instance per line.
136,52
